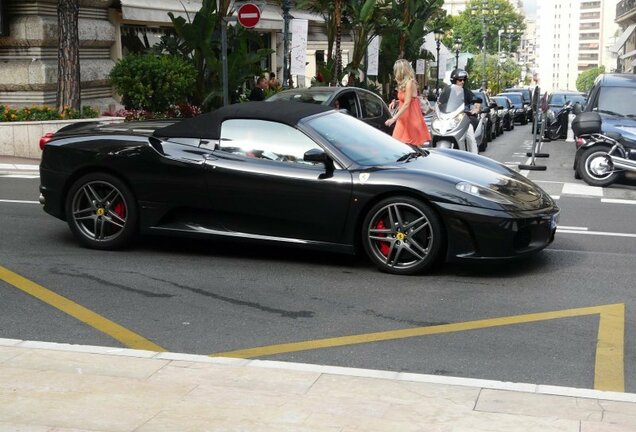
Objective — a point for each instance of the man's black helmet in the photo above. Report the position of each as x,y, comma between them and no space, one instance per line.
458,74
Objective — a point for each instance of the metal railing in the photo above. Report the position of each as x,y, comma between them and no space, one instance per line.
624,7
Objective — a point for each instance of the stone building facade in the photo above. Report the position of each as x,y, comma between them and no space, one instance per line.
107,30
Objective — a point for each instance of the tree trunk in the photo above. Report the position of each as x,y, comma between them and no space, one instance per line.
68,64
338,69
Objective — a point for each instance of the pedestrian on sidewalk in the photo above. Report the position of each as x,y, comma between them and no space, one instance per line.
410,127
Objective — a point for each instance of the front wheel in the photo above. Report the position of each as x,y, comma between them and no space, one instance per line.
101,211
402,235
595,166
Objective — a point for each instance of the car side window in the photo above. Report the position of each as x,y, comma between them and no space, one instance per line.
371,106
348,101
263,139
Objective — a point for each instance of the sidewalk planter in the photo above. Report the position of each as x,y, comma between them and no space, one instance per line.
22,139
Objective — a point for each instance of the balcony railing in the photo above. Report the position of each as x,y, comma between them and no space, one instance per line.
624,7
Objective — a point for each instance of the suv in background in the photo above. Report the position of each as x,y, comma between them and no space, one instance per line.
612,96
526,94
558,99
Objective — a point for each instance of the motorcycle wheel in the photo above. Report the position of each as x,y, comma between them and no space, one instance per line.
595,166
553,134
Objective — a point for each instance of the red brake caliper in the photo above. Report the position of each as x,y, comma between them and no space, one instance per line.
384,246
120,210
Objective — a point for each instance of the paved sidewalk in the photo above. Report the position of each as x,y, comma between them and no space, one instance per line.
72,388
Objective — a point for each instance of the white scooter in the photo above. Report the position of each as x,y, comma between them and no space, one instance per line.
451,122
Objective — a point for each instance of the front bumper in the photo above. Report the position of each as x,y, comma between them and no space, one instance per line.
475,233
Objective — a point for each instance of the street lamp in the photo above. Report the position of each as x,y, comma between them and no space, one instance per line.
499,32
458,46
485,9
438,42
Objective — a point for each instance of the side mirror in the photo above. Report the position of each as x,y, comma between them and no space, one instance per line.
485,110
493,104
315,155
577,108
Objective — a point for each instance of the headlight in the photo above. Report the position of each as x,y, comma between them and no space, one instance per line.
482,192
443,126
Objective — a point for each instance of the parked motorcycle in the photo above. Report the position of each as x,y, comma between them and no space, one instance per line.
556,125
603,158
451,122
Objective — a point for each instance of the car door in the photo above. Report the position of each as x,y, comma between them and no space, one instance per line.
259,184
374,111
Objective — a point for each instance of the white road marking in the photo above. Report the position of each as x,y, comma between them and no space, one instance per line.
617,201
556,197
19,201
573,228
597,233
579,189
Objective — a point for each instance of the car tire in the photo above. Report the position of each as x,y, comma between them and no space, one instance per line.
101,212
403,236
594,167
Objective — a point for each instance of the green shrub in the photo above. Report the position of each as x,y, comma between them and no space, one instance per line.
153,82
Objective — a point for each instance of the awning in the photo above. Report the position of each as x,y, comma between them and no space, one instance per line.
620,42
156,11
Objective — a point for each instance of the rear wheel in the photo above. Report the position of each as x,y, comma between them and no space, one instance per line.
595,166
402,235
101,211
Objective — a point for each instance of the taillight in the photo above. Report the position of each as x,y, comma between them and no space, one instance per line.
579,142
45,138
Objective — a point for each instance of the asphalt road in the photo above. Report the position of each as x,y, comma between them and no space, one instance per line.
564,317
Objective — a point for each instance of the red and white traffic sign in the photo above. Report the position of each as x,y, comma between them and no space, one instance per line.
248,15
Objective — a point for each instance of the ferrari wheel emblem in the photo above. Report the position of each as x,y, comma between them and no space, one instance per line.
400,236
100,212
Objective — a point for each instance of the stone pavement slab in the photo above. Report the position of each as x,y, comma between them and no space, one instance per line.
46,387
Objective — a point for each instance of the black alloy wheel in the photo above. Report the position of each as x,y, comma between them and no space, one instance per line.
101,212
595,166
402,235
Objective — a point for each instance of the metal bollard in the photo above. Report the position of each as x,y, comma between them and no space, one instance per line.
570,137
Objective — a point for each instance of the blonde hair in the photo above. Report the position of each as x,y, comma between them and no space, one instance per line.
403,72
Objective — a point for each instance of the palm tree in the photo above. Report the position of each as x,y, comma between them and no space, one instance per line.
68,61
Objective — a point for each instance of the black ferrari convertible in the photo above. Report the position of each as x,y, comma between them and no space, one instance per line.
291,173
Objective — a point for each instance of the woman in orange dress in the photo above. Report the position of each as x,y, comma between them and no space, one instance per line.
410,127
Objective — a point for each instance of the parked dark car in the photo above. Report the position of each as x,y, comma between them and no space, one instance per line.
526,94
557,100
612,97
521,109
491,115
506,112
296,174
358,102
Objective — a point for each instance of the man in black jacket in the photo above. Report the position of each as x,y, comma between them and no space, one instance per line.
459,77
257,93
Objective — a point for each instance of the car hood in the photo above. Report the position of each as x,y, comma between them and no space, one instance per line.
452,166
623,125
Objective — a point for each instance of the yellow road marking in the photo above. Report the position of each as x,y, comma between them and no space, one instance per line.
98,322
609,365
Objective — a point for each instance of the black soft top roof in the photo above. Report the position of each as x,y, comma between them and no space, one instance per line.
208,125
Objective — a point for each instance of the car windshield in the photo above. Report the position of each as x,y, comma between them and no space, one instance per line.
363,144
480,96
617,100
301,96
562,99
525,93
515,98
501,101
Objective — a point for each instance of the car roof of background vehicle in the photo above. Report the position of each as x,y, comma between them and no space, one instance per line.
616,80
208,125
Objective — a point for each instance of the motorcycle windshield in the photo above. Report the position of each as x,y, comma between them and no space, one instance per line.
451,99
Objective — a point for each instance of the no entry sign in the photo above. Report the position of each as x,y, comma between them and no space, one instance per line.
248,15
